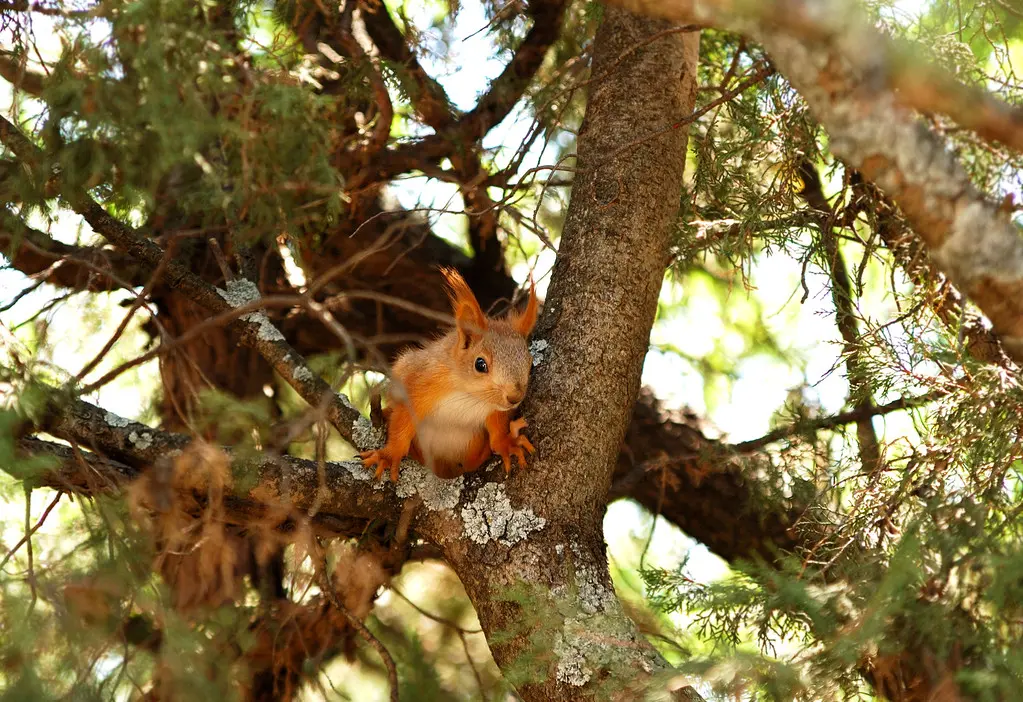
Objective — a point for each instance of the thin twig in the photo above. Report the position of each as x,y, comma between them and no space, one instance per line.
139,300
435,617
860,391
356,623
218,255
29,532
837,420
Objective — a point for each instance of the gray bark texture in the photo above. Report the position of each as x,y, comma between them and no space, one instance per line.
592,340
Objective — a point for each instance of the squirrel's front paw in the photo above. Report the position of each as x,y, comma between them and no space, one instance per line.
514,444
383,459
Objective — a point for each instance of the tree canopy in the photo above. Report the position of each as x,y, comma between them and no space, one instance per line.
775,391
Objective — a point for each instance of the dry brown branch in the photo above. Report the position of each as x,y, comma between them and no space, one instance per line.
328,590
92,268
459,131
506,90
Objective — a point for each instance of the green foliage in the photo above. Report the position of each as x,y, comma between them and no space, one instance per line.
166,111
171,110
26,468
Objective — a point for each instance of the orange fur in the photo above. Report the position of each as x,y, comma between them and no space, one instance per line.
469,316
447,413
525,321
506,440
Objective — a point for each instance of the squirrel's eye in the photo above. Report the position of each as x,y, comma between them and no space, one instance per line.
481,365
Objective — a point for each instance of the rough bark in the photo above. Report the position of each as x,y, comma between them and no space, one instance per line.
589,347
117,450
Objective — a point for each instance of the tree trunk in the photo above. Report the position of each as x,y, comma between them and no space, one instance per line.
534,564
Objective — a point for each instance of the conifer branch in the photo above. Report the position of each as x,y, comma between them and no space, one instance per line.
853,416
943,298
255,328
841,26
860,391
837,62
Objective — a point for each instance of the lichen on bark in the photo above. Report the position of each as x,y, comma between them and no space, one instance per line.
588,354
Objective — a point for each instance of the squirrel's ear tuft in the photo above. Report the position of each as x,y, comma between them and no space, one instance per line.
525,321
469,318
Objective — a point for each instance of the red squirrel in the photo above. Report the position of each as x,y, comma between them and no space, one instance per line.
451,401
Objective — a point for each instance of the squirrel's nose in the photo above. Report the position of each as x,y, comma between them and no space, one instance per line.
515,396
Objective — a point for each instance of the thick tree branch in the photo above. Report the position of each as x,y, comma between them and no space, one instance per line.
736,505
727,496
117,450
590,347
462,133
942,297
430,101
895,65
92,268
78,472
385,110
835,60
508,88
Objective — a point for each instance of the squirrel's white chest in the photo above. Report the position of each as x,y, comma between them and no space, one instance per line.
447,431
